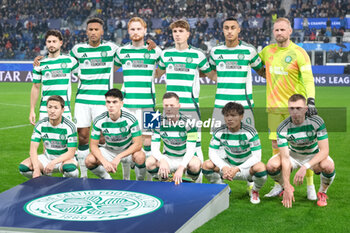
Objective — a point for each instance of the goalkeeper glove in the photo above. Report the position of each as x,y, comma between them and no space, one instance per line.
311,107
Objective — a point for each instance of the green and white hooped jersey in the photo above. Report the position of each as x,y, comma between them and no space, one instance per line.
56,139
233,66
55,75
182,74
138,66
302,139
95,71
175,136
238,145
119,133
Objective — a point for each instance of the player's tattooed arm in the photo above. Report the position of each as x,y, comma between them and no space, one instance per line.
262,72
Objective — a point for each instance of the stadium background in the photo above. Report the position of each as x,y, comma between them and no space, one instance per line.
321,27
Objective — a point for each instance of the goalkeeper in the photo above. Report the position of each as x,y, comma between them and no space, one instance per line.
288,72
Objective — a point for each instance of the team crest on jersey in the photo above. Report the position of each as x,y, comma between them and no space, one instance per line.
103,54
147,55
240,56
128,64
123,129
171,67
189,59
288,59
222,65
62,137
310,134
87,63
243,142
182,134
47,144
64,65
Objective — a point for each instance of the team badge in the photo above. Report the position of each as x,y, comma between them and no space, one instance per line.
47,144
243,142
64,65
47,74
93,205
62,137
309,134
103,54
189,59
222,65
128,64
87,63
182,134
171,67
240,56
147,55
288,59
123,129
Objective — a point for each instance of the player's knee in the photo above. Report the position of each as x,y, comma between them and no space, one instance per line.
259,167
151,163
139,157
147,139
83,138
327,166
90,161
272,166
194,165
208,165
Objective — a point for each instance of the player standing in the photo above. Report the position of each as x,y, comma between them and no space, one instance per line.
182,65
59,136
303,144
54,72
123,139
233,61
138,65
288,72
240,158
96,63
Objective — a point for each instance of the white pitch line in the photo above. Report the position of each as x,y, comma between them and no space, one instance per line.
15,126
15,105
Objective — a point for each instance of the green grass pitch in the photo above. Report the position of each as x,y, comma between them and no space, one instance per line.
268,216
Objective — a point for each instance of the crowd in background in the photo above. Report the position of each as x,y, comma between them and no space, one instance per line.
23,23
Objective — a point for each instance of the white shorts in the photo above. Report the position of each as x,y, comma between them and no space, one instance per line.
45,160
174,162
67,115
138,113
248,117
84,114
298,160
110,155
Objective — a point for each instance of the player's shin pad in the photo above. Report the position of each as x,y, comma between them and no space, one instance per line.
212,177
259,179
101,172
83,152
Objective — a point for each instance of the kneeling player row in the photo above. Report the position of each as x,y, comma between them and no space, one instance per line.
234,153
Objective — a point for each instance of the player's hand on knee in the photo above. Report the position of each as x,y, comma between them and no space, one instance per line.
311,107
109,167
115,163
49,168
